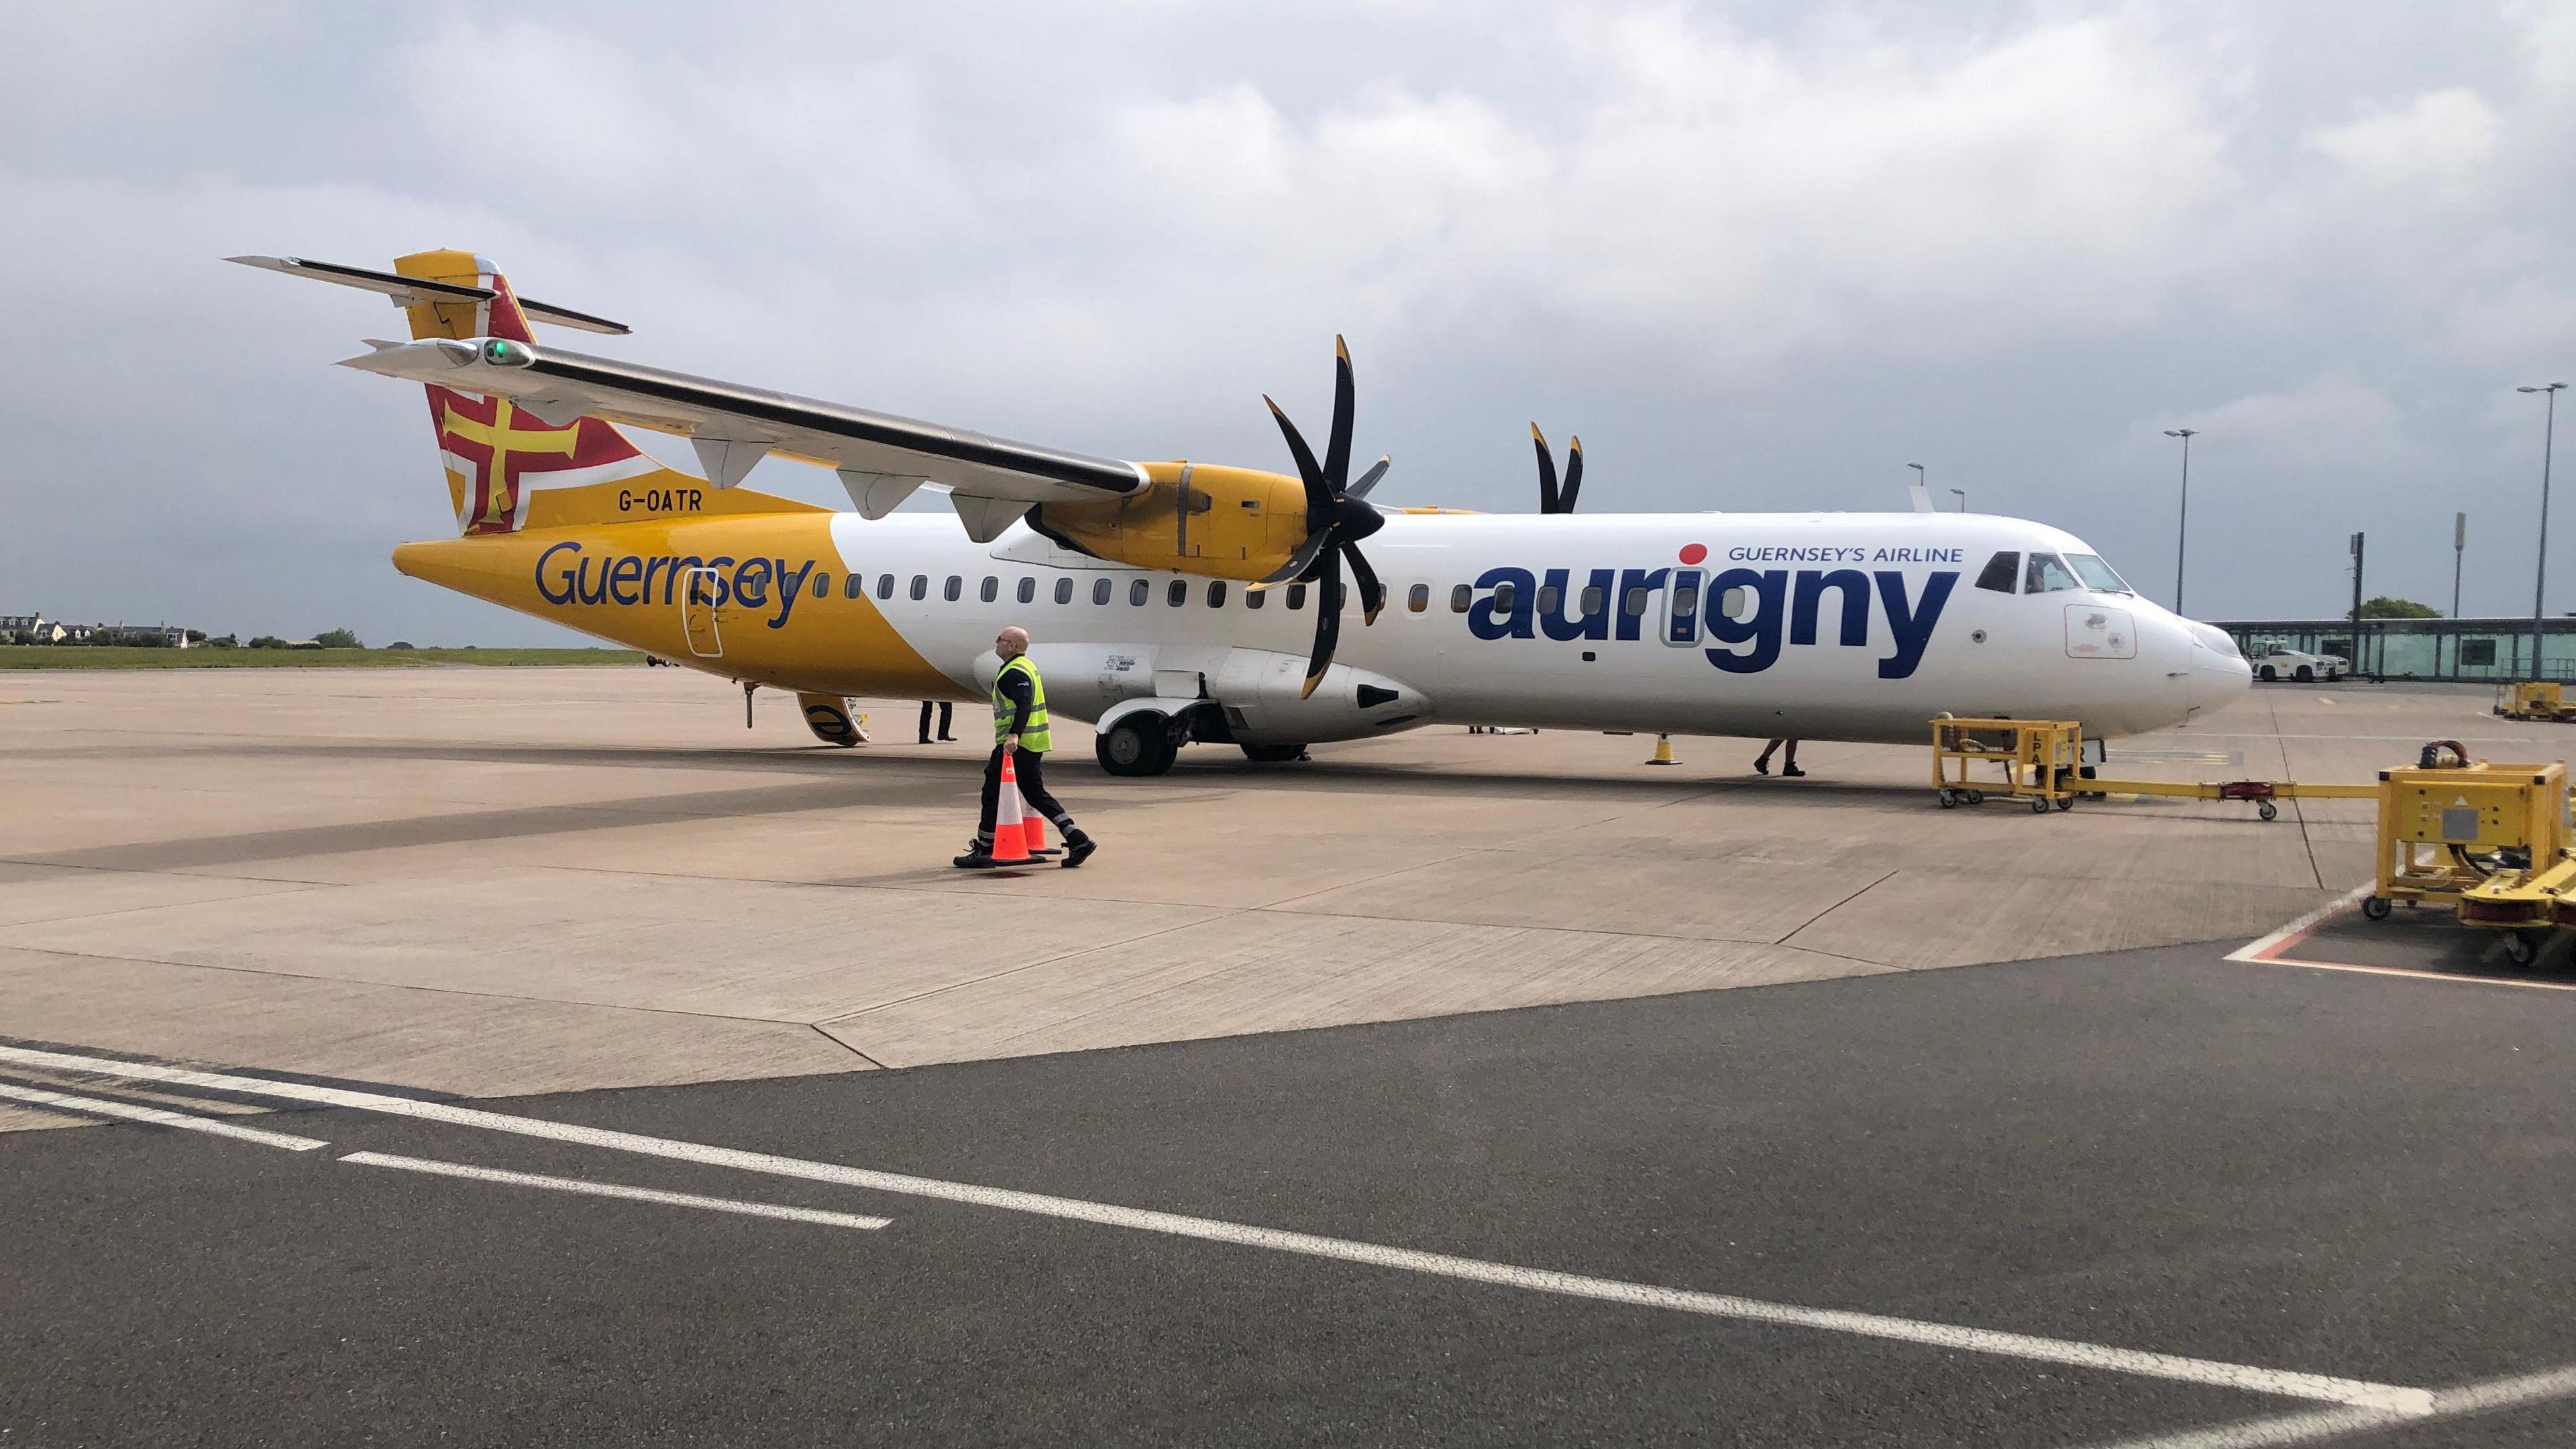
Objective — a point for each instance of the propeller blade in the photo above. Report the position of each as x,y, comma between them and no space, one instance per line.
1328,622
1573,476
1546,472
1299,563
1372,593
1368,480
1317,495
1337,448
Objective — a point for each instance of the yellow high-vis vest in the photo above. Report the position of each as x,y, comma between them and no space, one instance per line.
1034,738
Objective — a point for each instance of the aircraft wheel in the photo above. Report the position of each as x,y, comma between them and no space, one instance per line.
2375,907
1272,754
1135,746
2270,674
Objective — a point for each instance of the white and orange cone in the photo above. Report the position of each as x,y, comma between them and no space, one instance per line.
1034,826
1010,817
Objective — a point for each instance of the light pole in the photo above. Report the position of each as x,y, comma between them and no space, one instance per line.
2182,523
1921,479
1963,498
2540,574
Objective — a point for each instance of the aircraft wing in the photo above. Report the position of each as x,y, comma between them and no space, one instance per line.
881,457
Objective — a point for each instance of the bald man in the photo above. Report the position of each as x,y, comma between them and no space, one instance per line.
1021,730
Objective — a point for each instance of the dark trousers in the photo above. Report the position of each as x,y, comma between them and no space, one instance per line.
945,708
1030,767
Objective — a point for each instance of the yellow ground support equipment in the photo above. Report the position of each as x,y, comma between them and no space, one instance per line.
2039,758
2534,700
2262,792
2040,761
2489,841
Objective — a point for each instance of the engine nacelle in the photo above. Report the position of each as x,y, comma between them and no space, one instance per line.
1195,518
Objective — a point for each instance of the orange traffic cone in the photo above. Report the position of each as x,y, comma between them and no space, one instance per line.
1034,826
1010,834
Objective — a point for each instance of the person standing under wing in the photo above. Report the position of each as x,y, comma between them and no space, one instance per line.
1020,730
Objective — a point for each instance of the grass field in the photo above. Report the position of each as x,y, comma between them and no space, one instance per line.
67,656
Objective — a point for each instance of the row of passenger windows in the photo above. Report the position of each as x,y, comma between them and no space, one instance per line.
2048,573
1177,592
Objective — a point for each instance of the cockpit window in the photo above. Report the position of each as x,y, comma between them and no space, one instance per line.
2097,574
1999,572
2047,574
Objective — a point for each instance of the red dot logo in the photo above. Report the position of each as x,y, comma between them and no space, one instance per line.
1692,553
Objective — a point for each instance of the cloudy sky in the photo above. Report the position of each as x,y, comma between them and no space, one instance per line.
1759,256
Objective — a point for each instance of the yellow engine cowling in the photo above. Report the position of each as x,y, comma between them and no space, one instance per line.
1197,518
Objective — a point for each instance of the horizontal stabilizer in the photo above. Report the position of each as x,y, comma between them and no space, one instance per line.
420,291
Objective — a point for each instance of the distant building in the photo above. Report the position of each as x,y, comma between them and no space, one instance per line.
2478,650
29,629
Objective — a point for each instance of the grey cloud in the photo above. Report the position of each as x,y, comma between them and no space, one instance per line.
1758,257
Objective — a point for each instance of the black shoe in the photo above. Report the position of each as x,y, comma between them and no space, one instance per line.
978,856
1762,767
1792,772
1078,851
945,740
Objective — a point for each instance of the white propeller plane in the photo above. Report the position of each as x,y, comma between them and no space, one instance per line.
1178,602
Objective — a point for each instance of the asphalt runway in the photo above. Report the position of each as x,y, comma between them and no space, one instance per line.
2132,1197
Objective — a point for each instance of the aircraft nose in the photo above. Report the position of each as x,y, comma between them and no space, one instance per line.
2222,678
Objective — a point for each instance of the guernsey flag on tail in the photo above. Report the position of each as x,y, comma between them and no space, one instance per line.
497,453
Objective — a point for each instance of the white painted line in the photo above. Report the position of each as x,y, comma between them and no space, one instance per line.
2389,1397
134,1112
2268,952
2291,934
617,1190
2493,1396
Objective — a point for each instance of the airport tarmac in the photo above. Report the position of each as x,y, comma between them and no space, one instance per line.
1540,1176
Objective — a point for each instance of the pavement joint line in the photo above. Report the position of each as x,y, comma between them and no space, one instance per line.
2388,1399
68,1104
1221,914
358,981
742,1206
1838,905
2489,1397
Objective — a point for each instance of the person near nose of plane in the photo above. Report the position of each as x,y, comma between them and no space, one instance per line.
1021,735
944,708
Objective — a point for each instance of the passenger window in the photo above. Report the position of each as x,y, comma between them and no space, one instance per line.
1216,594
822,584
1255,598
1634,605
1178,594
1999,572
992,589
1418,598
955,587
1100,591
1593,596
1734,602
1028,591
1064,591
857,585
1137,592
2047,574
920,586
1460,597
1549,596
1505,595
885,586
1296,596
